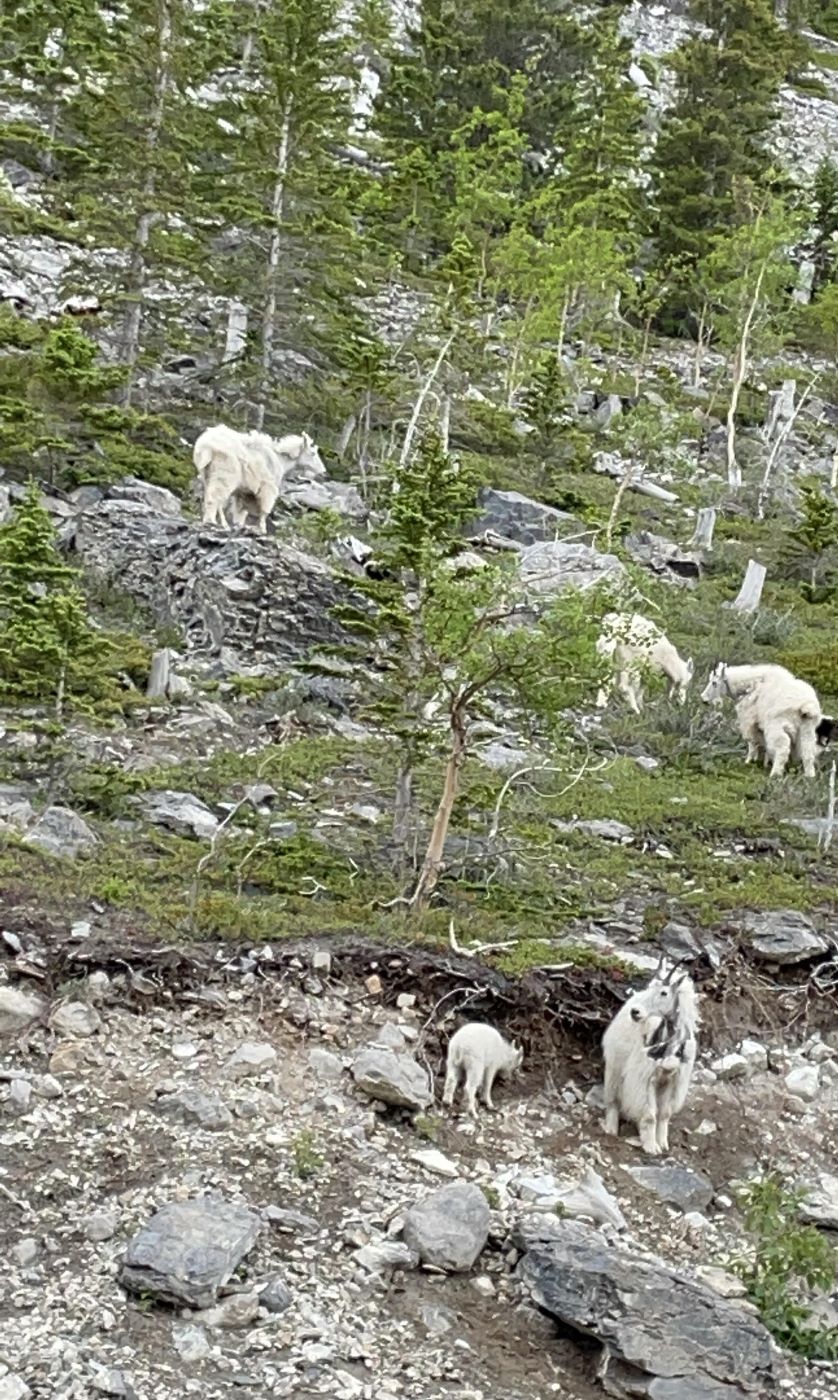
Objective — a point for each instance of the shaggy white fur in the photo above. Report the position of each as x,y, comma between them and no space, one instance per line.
637,645
778,714
649,1050
481,1053
245,471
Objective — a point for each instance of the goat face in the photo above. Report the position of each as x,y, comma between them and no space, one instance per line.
716,688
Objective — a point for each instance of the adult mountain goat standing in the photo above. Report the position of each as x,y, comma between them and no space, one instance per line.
245,471
778,714
635,645
649,1050
481,1053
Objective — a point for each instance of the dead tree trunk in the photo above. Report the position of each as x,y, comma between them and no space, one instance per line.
158,680
704,526
433,862
748,598
274,246
740,370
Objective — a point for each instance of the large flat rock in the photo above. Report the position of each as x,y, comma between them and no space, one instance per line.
189,1249
664,1336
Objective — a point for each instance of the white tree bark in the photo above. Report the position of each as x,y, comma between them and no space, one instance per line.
740,370
748,598
137,268
236,338
704,526
158,680
274,247
425,389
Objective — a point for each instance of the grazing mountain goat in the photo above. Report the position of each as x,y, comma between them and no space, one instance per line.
482,1053
636,645
245,471
649,1051
777,713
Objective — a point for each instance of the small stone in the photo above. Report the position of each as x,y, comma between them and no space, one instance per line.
449,1228
324,1064
98,986
731,1067
434,1161
405,1001
26,1251
291,1222
80,930
75,1019
755,1054
321,961
184,1050
239,1310
276,1296
804,1082
100,1226
389,1035
190,1342
484,1286
251,1058
13,1387
394,1079
386,1255
373,985
195,1106
437,1319
110,1380
19,1097
18,1009
189,1249
675,1186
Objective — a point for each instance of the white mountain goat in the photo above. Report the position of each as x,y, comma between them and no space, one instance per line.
245,471
481,1053
649,1051
636,645
778,714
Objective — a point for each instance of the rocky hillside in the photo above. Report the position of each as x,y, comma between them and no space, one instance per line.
564,347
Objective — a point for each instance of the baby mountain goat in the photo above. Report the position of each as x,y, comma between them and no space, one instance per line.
777,714
482,1053
245,471
636,645
649,1051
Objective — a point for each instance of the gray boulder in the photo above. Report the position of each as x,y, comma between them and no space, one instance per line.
820,1204
60,832
663,1335
518,517
675,1186
156,497
783,936
188,1250
180,812
391,1077
339,496
195,1107
551,568
664,557
263,600
449,1228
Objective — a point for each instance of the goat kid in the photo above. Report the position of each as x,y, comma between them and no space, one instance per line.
636,645
481,1053
649,1049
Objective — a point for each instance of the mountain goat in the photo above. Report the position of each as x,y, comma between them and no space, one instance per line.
777,713
636,645
482,1053
649,1051
246,470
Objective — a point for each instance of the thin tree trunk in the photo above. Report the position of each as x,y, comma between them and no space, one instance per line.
698,358
432,864
445,422
403,806
748,598
780,439
424,390
562,327
269,308
740,369
137,268
704,526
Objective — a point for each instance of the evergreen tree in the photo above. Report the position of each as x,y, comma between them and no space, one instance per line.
825,216
812,543
713,142
48,649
